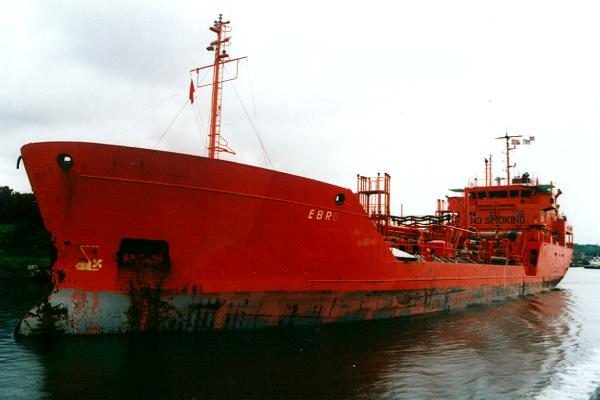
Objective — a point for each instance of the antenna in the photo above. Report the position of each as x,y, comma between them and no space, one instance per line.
510,139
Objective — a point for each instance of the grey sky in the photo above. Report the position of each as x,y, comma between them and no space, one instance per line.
417,89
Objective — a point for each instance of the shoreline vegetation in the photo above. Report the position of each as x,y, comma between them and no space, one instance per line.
26,249
25,245
583,253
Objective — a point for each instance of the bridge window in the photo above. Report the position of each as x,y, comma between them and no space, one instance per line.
498,194
482,195
525,193
514,193
472,195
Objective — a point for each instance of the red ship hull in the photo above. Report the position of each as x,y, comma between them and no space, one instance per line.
150,240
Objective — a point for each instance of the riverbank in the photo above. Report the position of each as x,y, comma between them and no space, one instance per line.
21,268
25,245
24,253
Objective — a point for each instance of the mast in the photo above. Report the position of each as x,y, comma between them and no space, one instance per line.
490,171
215,116
508,137
485,160
217,144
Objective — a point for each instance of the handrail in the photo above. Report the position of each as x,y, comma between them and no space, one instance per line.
424,220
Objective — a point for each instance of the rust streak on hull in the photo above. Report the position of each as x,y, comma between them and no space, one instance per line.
118,313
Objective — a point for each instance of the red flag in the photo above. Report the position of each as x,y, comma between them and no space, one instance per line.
192,90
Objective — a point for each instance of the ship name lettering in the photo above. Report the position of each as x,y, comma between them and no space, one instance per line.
322,215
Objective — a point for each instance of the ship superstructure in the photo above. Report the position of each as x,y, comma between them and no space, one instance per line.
486,224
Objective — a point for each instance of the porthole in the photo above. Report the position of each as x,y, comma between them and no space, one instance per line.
340,198
64,160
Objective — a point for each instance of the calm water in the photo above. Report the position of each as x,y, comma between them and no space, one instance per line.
540,347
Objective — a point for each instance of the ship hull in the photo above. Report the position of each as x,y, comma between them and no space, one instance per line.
73,311
156,241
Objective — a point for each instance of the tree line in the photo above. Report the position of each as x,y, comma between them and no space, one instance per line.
22,231
585,251
18,207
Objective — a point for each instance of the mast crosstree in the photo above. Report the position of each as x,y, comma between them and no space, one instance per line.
216,143
508,139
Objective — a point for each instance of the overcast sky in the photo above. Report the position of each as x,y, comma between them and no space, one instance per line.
418,89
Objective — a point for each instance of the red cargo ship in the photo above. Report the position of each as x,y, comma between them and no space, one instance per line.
150,240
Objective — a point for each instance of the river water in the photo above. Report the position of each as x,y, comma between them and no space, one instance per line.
545,346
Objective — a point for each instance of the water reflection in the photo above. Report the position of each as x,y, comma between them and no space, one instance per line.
505,350
21,370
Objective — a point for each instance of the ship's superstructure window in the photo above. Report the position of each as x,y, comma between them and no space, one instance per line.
472,195
514,193
525,193
482,195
